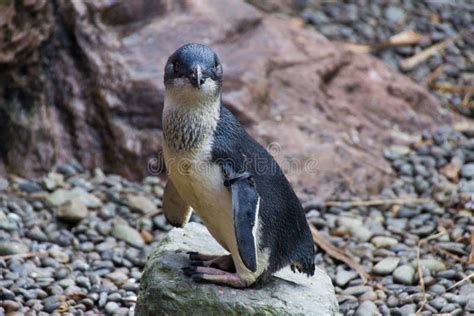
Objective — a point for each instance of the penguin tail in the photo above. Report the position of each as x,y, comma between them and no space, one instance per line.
304,266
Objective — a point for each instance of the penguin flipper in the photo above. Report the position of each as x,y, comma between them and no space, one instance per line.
245,208
176,210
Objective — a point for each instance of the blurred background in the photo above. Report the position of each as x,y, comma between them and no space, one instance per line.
379,94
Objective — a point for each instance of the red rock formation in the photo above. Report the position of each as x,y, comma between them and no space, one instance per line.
83,79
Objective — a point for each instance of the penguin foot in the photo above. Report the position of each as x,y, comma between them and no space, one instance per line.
219,262
216,276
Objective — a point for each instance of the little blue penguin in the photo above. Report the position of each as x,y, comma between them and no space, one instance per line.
218,170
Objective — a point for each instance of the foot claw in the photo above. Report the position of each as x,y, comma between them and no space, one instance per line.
197,277
197,263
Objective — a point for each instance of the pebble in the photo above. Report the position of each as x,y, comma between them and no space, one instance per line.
3,184
438,303
59,254
141,203
367,308
37,234
432,264
394,14
72,211
356,290
111,308
408,309
128,234
12,248
61,196
404,274
29,186
386,266
467,171
344,276
384,242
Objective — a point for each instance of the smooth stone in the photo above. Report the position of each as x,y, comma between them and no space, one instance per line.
386,266
11,306
367,308
58,253
29,186
383,242
392,301
111,308
368,296
117,277
408,309
356,227
128,234
36,233
61,196
344,276
448,308
3,184
404,274
361,233
164,288
141,203
356,290
438,303
394,14
467,171
12,248
396,151
72,211
467,186
431,264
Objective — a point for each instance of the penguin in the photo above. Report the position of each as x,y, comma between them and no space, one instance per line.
218,170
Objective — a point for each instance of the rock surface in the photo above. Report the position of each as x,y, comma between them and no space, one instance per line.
164,288
87,83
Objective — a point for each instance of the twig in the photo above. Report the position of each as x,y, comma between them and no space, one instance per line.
434,74
24,255
466,102
446,252
377,202
460,282
405,38
471,255
332,251
449,88
418,267
414,60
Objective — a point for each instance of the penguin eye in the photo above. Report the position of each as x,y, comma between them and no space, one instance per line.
177,66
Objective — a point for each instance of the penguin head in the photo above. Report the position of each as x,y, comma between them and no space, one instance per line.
194,69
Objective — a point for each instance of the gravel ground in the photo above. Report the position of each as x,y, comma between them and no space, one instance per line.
82,240
85,238
385,238
367,22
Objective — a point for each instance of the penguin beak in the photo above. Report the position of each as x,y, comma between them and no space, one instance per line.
196,77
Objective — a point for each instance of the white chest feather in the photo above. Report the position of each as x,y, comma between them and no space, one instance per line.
199,181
